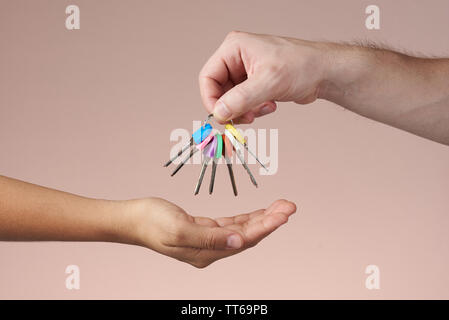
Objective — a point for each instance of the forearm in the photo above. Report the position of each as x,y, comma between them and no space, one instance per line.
406,92
30,212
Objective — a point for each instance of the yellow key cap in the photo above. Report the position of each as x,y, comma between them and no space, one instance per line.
235,133
238,136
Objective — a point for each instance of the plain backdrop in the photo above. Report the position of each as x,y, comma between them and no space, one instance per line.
90,112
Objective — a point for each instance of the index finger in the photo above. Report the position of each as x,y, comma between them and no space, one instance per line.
222,71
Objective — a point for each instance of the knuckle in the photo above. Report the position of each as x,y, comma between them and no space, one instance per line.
233,34
209,241
233,37
249,117
278,75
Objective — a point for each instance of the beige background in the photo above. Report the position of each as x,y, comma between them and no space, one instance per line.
90,112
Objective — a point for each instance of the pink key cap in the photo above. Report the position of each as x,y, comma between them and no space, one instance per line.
205,141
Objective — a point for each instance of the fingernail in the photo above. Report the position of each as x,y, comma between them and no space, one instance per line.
221,111
234,241
266,109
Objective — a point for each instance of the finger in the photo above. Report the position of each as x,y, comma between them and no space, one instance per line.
210,90
276,207
242,98
262,110
219,89
223,67
227,86
282,206
204,237
257,225
204,221
246,118
239,219
275,216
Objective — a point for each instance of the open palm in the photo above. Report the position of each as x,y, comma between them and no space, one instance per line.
168,229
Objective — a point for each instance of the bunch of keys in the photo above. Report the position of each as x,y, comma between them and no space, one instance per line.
214,146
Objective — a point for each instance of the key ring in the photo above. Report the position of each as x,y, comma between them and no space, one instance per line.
211,115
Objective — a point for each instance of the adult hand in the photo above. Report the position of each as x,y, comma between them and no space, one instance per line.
166,228
249,72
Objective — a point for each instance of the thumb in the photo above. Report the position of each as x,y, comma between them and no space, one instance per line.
243,97
212,238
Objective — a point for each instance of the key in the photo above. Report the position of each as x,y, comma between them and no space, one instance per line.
239,153
227,154
198,136
237,135
209,153
218,153
200,146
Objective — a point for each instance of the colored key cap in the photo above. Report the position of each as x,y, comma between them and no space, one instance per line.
200,146
198,136
238,136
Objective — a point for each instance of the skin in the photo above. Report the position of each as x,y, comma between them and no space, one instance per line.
248,73
33,213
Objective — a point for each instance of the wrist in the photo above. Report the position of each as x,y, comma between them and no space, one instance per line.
118,221
136,222
344,67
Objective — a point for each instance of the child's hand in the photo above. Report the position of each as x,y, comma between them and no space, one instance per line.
32,213
199,241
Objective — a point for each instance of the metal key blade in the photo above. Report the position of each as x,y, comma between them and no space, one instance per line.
200,179
227,154
250,174
180,152
212,177
209,153
253,180
239,152
231,175
198,136
183,162
257,159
